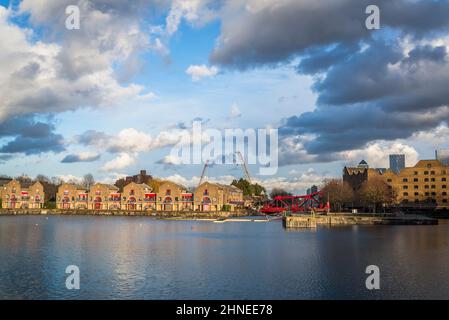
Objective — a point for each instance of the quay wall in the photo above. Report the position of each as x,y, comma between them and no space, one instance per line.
307,221
157,214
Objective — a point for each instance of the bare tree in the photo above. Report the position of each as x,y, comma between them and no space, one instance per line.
88,180
338,192
42,178
375,192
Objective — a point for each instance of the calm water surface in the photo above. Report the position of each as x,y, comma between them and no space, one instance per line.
143,258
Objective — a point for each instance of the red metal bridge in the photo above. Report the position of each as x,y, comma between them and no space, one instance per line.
305,203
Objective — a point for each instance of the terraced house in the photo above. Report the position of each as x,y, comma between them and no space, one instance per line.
104,197
138,196
23,195
72,196
170,196
174,197
216,197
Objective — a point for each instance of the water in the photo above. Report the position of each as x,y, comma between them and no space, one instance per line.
143,258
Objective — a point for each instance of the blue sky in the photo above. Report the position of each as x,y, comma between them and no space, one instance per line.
123,76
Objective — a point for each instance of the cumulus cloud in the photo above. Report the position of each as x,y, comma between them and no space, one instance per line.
127,144
123,160
76,71
197,72
296,182
376,153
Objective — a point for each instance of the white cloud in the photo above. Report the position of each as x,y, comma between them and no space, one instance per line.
69,178
193,11
123,160
297,182
78,71
434,137
235,112
200,71
376,154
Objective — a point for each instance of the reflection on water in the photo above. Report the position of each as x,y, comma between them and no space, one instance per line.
138,257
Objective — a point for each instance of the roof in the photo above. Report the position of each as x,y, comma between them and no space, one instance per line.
433,163
230,187
77,186
109,186
4,181
175,183
363,162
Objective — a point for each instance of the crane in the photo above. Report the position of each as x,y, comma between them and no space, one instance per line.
202,173
242,160
245,168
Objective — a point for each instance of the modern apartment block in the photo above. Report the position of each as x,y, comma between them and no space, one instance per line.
397,162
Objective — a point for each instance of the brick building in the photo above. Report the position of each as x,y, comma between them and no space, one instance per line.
72,196
23,195
141,177
138,196
174,197
213,196
423,185
104,197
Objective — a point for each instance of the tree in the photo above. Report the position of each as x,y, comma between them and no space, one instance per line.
88,181
279,192
42,178
248,188
154,184
375,192
339,193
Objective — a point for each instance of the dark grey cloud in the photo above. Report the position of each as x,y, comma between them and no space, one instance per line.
28,146
319,60
427,52
377,94
279,31
30,136
5,157
371,85
92,137
72,158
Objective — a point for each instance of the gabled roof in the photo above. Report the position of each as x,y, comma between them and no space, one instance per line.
109,186
175,183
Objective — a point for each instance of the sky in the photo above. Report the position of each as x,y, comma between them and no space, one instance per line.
116,95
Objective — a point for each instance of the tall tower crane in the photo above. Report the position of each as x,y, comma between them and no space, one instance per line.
243,163
202,173
245,168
